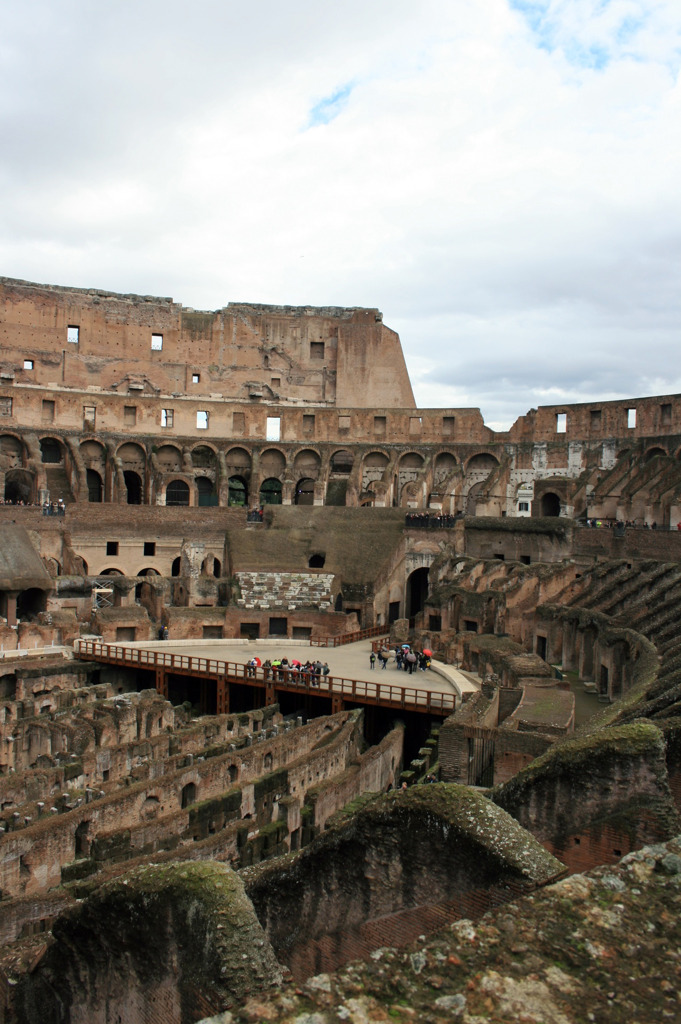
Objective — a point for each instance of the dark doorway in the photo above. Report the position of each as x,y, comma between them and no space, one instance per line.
94,486
417,591
30,603
550,504
134,487
19,487
50,450
305,492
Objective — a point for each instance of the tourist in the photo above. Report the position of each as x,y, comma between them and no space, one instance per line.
372,660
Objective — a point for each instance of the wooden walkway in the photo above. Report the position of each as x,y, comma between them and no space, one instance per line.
341,692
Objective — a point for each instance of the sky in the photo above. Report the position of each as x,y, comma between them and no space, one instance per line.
501,178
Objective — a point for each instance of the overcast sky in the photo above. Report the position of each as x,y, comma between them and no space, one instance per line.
501,178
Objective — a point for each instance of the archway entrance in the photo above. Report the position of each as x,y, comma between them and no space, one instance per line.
550,504
305,492
177,493
205,489
238,495
94,486
19,487
417,591
133,485
270,492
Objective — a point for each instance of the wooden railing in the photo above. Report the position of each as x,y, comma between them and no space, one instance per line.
384,694
340,639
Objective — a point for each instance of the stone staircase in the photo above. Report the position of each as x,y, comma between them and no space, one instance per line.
272,590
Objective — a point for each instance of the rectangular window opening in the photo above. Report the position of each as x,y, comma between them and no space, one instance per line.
48,410
89,414
448,423
414,424
276,382
130,415
308,424
196,378
150,547
595,419
561,422
167,417
666,414
5,406
202,419
238,423
112,547
380,425
73,334
316,350
343,422
156,342
273,429
523,506
28,364
631,418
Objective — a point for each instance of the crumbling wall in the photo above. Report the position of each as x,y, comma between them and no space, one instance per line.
405,864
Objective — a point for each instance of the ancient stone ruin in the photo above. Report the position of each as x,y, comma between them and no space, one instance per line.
189,828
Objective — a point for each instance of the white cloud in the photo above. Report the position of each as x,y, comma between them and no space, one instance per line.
501,181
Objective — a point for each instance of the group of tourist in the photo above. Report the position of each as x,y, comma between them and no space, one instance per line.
255,515
629,524
50,508
426,521
406,659
285,671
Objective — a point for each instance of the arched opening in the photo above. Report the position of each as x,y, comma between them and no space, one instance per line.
417,591
305,492
203,457
206,493
30,603
238,492
94,486
110,572
653,453
342,462
338,603
211,566
270,492
175,568
50,450
189,794
133,486
19,487
550,504
177,493
316,561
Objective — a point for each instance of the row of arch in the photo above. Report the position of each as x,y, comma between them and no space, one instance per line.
210,476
